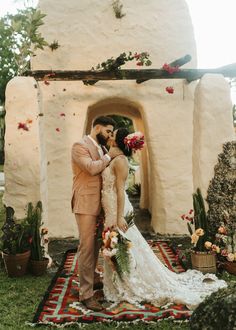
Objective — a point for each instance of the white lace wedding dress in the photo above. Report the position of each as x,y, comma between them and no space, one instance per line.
149,280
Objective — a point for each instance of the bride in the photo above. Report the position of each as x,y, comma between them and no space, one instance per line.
148,279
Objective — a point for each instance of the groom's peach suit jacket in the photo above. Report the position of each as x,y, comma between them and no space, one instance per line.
87,166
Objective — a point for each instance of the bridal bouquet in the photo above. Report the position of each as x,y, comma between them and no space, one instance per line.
116,250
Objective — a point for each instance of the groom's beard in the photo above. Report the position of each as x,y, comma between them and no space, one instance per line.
101,139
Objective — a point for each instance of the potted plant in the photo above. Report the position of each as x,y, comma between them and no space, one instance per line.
203,254
15,244
38,261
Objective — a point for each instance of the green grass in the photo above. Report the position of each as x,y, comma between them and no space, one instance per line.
1,168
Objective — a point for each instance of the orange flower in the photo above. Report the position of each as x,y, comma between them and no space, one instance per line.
208,245
194,239
199,232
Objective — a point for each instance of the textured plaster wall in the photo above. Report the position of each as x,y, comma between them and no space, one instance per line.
88,32
22,148
213,125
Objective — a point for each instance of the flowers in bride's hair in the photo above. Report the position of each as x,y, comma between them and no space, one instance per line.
134,141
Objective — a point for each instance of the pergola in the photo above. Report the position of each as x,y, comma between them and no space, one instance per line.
90,77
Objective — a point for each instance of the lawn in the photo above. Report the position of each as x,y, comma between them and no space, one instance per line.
19,298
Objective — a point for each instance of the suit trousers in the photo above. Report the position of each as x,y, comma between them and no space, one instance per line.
88,251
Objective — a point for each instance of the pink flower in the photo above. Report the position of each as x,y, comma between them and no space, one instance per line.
224,253
215,248
170,69
222,230
137,56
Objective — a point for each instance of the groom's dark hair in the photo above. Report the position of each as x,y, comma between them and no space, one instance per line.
104,121
120,136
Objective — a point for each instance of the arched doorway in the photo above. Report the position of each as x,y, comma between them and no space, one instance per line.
131,110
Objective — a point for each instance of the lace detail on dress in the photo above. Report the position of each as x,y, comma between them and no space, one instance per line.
149,279
109,197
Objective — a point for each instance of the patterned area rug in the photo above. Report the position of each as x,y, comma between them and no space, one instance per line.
60,304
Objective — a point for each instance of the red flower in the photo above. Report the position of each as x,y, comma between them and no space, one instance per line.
62,114
23,126
46,82
170,89
139,63
58,129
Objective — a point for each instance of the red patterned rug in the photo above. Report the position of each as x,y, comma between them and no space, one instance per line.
60,305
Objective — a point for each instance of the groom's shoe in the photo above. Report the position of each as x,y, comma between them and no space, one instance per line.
98,286
93,304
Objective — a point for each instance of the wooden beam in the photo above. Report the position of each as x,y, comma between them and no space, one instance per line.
142,74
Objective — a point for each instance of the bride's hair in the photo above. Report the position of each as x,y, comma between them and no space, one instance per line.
120,137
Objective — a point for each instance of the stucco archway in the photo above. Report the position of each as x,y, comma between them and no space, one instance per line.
127,108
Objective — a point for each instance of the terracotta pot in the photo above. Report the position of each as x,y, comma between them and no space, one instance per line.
203,261
16,265
38,267
230,267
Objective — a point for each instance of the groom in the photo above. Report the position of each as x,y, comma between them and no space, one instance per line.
88,161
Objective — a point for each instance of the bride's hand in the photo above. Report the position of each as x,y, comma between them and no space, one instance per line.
122,224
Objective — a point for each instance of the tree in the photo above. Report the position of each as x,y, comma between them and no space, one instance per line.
19,38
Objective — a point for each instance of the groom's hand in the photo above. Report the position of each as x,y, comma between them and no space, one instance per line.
122,224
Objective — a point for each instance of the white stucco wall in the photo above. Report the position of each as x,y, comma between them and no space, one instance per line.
213,125
22,148
88,32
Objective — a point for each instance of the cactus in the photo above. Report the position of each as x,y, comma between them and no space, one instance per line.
34,218
200,218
